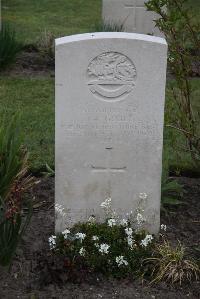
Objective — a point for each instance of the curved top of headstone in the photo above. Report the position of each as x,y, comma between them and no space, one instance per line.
109,35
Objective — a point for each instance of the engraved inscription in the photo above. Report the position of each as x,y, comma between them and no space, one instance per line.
106,123
111,76
117,129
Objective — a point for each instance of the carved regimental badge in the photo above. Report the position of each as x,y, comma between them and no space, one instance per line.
111,76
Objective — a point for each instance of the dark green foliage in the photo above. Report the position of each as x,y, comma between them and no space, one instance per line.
11,155
9,46
171,190
49,172
11,231
13,182
99,262
158,260
176,21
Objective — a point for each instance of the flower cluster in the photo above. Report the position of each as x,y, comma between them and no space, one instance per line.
91,220
65,233
60,210
95,238
129,231
139,219
80,236
82,251
103,248
121,261
123,222
106,205
130,239
111,222
114,246
147,240
143,196
52,242
163,227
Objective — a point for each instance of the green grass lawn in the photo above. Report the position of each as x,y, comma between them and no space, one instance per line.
34,98
31,18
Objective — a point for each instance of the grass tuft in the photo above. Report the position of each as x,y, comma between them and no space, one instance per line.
171,264
9,46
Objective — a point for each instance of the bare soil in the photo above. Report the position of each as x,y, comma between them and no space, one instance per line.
28,277
33,63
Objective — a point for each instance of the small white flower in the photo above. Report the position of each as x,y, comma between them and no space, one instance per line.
65,233
111,222
96,245
95,238
143,196
60,210
82,251
139,218
163,227
121,261
114,214
80,236
92,219
103,248
131,242
52,242
146,241
171,59
124,222
106,204
128,231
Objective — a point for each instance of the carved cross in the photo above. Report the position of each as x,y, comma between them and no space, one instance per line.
107,168
133,6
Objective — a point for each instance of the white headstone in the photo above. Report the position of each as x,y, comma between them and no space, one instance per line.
110,91
132,14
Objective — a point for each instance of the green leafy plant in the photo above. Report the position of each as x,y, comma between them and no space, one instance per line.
12,155
119,248
49,172
11,231
104,249
171,190
14,181
171,264
115,247
9,46
182,34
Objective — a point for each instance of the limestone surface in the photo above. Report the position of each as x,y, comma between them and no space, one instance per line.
110,92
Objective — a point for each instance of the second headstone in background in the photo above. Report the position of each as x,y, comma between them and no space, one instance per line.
132,14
